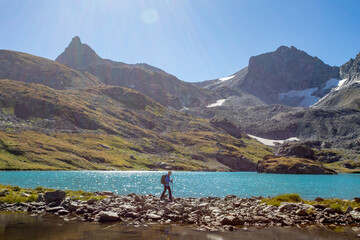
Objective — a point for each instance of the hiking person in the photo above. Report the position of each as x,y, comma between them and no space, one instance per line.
165,179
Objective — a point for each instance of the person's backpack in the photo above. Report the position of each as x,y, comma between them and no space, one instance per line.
163,179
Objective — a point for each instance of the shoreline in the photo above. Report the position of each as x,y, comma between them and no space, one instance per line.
204,214
161,170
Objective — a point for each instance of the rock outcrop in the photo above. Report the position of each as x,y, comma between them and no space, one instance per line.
291,165
295,150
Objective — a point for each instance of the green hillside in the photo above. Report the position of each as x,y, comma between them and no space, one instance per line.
110,128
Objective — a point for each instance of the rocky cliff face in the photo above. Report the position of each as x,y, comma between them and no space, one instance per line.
351,70
32,69
347,94
153,82
286,69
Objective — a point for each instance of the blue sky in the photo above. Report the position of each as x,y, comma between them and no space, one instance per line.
194,40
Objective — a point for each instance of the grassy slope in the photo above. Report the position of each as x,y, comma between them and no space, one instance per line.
338,205
32,69
14,194
109,128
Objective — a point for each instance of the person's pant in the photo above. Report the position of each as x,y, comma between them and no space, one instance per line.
166,188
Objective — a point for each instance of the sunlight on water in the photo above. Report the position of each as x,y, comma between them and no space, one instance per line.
191,184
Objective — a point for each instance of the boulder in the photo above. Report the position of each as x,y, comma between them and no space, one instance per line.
295,150
4,192
355,214
107,216
231,220
302,212
56,196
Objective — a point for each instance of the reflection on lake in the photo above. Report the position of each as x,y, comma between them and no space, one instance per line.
16,226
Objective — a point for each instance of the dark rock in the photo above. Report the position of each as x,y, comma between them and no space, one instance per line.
40,198
105,193
4,192
92,201
319,199
295,150
56,196
132,215
302,212
231,220
107,216
229,127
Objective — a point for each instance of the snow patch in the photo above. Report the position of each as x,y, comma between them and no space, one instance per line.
308,100
226,78
307,94
340,84
270,142
218,103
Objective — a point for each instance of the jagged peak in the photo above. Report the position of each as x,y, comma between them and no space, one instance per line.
77,55
76,39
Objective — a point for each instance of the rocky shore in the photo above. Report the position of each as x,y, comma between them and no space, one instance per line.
206,214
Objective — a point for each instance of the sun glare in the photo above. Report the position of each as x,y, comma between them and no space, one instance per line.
149,15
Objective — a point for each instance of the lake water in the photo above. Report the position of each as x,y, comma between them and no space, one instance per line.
191,184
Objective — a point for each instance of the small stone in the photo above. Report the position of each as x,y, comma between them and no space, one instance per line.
54,209
63,212
153,216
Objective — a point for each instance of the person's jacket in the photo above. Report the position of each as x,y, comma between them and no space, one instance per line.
167,180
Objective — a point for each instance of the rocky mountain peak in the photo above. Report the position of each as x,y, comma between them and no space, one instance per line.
78,55
284,70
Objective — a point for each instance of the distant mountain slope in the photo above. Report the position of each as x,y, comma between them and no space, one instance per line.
339,127
286,76
111,127
32,69
153,82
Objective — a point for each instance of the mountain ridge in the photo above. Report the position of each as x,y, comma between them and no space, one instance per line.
153,82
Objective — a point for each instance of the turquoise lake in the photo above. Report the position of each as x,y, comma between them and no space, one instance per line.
191,184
